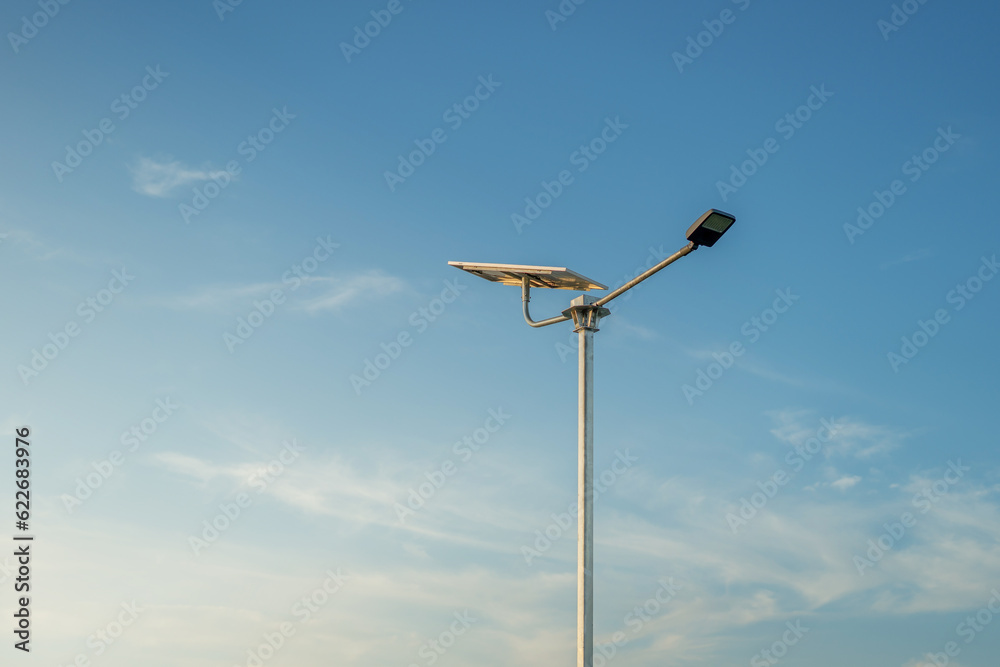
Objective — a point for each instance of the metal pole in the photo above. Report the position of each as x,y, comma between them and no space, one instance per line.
585,505
526,297
586,315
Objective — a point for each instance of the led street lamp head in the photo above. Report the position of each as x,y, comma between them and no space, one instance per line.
710,228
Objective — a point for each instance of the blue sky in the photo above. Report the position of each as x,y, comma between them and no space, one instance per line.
203,253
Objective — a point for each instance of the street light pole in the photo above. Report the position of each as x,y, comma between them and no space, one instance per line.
586,313
585,504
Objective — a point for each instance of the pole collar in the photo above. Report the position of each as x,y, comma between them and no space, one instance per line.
585,315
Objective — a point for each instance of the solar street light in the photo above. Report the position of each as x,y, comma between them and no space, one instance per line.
586,312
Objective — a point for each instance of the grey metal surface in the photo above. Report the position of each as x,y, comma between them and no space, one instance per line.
526,299
585,504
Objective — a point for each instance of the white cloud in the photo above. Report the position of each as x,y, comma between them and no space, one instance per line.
628,328
863,441
794,426
221,296
330,488
906,259
43,249
160,179
844,483
315,294
201,470
792,560
853,438
929,663
341,292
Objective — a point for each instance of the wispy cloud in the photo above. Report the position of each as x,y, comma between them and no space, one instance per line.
190,466
314,294
635,330
853,438
323,488
219,297
863,441
794,560
757,367
42,249
160,179
800,547
844,483
906,259
928,663
764,371
341,292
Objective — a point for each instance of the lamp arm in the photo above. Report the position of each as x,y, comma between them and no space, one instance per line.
687,250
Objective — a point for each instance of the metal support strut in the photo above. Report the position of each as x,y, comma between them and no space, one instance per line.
526,297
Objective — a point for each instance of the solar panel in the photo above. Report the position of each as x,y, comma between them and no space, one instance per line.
552,277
